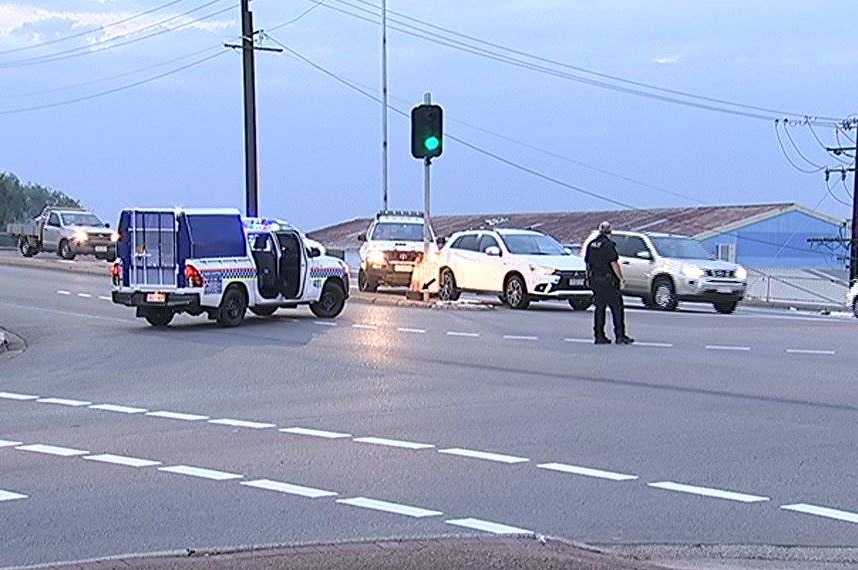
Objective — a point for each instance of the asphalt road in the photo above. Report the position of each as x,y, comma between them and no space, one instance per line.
710,430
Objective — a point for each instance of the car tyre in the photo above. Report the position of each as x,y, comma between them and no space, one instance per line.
855,307
664,294
25,248
447,289
581,304
65,250
366,283
159,318
232,308
331,303
515,291
264,310
726,307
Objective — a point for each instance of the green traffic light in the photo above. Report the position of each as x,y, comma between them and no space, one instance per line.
431,143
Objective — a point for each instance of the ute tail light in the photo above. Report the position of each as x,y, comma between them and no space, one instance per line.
194,277
116,273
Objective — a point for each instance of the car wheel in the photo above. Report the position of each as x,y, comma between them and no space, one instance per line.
264,311
855,307
65,250
25,248
447,290
331,303
664,294
581,304
159,318
515,291
232,308
726,307
365,283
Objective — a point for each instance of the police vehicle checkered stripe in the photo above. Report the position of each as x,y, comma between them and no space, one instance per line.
232,273
319,272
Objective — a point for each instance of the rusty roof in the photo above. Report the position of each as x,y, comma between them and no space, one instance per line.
574,227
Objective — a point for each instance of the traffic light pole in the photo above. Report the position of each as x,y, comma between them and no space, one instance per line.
427,193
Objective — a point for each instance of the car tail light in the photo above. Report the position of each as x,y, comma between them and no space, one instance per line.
195,278
116,273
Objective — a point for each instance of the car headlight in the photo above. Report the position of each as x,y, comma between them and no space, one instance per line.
114,237
541,270
742,273
692,271
375,256
80,236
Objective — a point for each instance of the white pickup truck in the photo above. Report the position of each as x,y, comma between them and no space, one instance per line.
212,262
66,231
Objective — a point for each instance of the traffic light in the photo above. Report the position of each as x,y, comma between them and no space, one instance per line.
427,140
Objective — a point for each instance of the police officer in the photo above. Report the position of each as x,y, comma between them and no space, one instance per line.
605,277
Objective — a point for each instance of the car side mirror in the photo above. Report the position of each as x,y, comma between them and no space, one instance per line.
362,237
644,255
568,251
107,225
314,252
493,251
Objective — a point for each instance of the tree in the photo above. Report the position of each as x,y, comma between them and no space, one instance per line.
21,202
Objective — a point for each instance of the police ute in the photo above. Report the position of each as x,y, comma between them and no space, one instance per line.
212,262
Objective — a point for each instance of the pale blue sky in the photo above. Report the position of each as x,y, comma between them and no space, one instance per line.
178,141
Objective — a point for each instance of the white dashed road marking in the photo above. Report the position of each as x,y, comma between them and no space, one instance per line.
393,443
510,459
822,512
519,337
84,295
117,409
804,351
202,473
708,492
734,348
587,472
64,402
316,433
122,460
241,423
10,496
655,344
365,327
53,450
325,323
289,489
413,331
20,397
486,526
178,416
463,334
64,292
103,298
579,340
7,443
395,508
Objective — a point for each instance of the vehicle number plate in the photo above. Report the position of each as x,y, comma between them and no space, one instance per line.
725,290
156,297
101,249
402,268
576,281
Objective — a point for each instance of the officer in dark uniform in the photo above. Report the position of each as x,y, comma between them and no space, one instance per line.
605,277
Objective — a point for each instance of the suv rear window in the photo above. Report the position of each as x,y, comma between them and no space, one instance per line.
390,231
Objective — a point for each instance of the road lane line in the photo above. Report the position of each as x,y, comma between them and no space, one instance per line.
64,402
84,295
805,351
822,512
463,334
177,416
708,492
241,423
122,460
324,323
10,496
288,488
365,327
655,344
509,459
7,443
104,298
316,433
14,396
723,347
53,450
63,292
413,331
395,508
117,409
519,337
587,472
202,473
487,526
392,442
579,340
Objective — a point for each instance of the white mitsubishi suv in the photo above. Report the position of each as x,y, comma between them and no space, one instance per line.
520,266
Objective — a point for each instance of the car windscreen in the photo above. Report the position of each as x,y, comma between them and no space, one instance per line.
681,248
81,220
532,244
389,231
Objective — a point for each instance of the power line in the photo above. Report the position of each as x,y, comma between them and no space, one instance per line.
299,17
108,44
797,149
786,154
88,32
115,90
368,94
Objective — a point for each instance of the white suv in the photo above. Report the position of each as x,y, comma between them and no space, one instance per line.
392,246
852,298
519,266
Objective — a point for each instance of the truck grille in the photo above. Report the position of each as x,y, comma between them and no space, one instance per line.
99,236
403,256
722,273
570,280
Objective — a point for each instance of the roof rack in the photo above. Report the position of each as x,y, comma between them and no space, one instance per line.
406,213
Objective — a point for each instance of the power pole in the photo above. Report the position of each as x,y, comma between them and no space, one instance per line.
853,251
251,159
384,111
